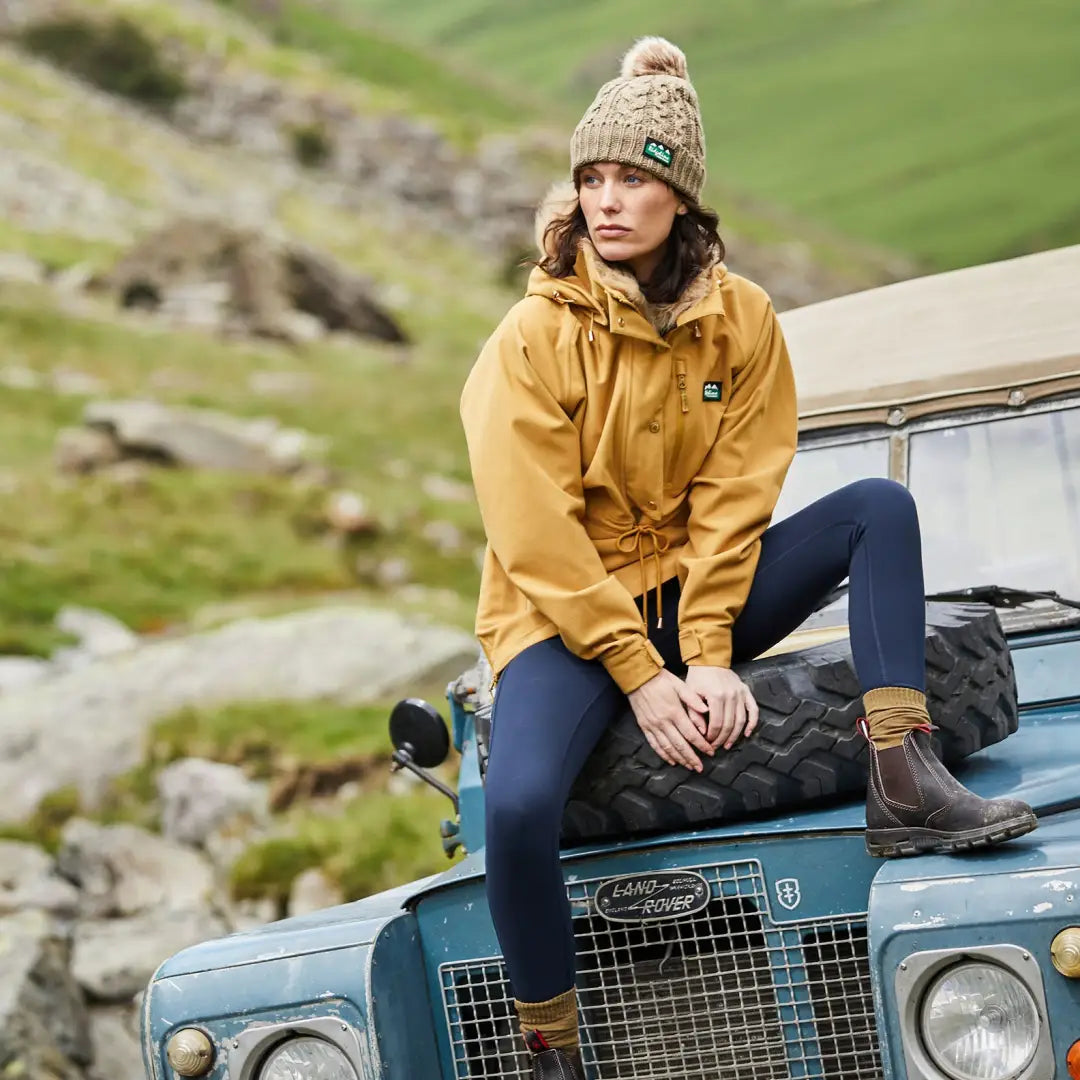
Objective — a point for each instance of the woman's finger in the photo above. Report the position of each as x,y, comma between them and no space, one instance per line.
741,716
727,720
680,747
660,751
689,731
696,705
753,711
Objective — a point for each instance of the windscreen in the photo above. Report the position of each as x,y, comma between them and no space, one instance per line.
999,502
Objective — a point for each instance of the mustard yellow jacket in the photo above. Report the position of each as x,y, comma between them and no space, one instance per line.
609,456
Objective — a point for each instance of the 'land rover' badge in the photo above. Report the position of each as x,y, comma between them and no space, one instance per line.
667,894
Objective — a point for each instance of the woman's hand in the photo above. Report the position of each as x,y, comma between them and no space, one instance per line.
672,716
732,709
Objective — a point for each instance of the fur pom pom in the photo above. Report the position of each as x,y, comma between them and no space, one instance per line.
654,56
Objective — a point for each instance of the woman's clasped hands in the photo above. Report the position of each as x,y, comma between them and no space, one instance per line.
712,707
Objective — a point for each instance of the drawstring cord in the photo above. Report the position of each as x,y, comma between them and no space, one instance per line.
630,541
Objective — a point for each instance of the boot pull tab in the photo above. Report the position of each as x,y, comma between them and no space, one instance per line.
536,1042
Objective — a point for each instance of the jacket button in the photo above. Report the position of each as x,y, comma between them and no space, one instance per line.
621,321
654,427
651,504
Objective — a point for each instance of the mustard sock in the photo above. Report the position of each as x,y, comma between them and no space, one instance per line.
893,711
556,1020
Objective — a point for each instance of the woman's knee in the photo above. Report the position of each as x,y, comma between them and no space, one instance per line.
875,497
521,816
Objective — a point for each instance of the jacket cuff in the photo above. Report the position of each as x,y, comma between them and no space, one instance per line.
634,664
706,648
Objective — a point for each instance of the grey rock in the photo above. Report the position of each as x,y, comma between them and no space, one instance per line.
85,726
17,672
311,891
444,536
28,880
75,383
287,384
113,959
82,450
199,797
44,1028
348,512
125,870
338,297
446,489
249,914
199,438
98,633
20,268
393,572
20,377
114,1039
212,274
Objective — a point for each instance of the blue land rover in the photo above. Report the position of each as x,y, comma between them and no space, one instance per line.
733,925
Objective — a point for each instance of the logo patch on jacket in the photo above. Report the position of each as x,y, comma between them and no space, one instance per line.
658,152
713,391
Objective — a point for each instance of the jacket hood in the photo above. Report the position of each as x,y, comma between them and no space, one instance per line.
594,280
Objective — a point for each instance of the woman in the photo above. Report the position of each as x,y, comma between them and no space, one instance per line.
629,426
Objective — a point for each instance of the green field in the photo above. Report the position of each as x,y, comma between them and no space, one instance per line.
944,129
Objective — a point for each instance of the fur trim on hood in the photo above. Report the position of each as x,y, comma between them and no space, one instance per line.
561,200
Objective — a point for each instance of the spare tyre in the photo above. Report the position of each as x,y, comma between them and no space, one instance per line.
806,749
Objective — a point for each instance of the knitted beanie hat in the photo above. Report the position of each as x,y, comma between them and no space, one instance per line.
648,117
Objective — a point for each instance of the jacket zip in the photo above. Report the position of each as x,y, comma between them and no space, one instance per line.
680,423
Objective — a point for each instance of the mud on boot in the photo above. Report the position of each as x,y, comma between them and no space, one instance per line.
915,806
551,1063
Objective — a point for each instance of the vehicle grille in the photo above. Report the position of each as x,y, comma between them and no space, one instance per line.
725,992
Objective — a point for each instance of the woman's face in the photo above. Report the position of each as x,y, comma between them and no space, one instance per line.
629,213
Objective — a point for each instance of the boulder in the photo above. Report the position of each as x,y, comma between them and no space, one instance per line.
347,512
97,633
113,959
124,870
311,891
28,879
44,1027
199,438
114,1037
339,298
15,267
84,726
212,274
200,797
17,672
82,450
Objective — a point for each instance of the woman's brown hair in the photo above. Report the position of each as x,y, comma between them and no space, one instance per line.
694,242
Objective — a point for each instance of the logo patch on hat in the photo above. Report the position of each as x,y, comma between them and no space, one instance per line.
658,151
713,391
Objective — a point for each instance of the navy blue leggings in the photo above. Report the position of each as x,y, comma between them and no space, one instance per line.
551,707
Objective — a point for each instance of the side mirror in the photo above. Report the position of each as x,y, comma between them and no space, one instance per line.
421,742
417,729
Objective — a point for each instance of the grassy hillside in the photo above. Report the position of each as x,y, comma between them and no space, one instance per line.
945,129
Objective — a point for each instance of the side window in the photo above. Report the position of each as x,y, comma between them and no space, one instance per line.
819,470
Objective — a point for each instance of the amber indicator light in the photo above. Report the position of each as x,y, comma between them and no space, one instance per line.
1073,1060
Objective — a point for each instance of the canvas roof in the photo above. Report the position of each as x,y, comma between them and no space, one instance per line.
1000,333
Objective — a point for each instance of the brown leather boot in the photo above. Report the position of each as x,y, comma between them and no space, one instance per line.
915,806
551,1063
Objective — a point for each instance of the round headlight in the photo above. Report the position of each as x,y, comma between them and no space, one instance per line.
979,1022
307,1057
